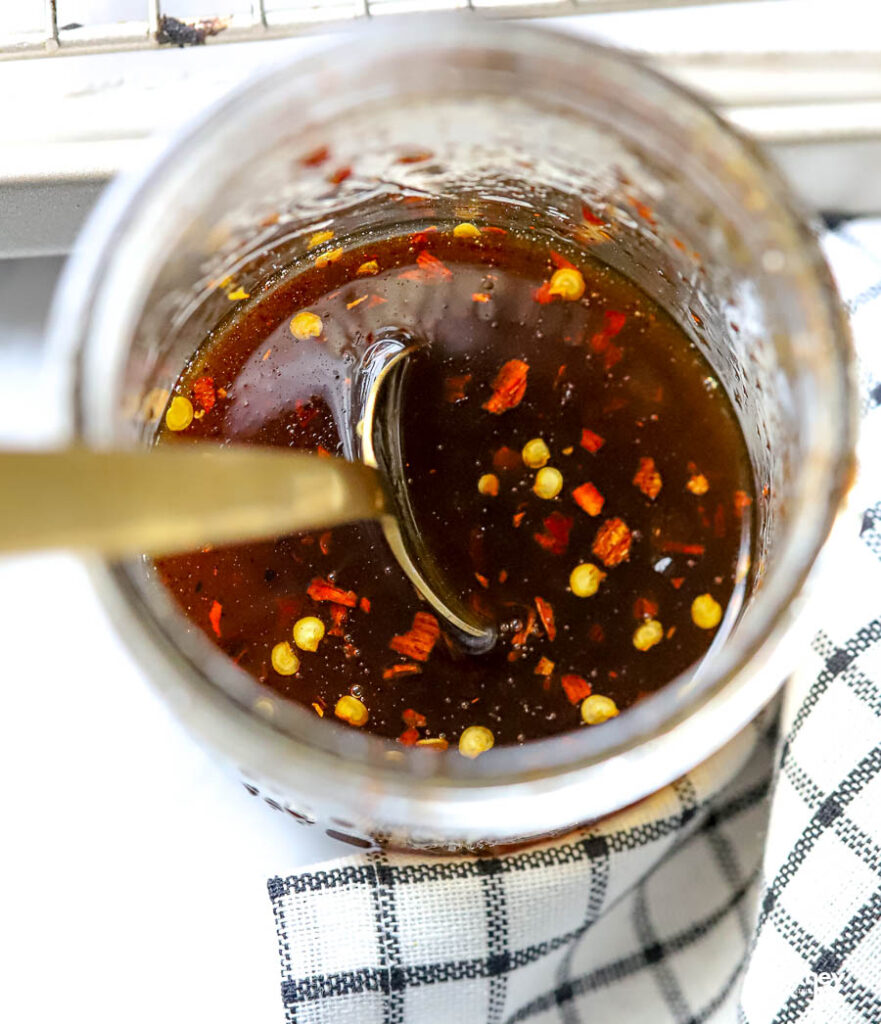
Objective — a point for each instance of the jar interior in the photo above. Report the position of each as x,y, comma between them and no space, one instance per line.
666,200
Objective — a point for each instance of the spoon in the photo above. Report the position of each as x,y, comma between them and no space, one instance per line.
165,500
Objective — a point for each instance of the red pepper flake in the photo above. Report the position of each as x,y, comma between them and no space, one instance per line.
482,580
324,590
203,389
719,527
338,613
591,441
543,294
480,297
647,478
454,387
364,605
409,737
214,616
677,581
517,519
412,719
590,216
316,157
576,688
742,501
322,452
601,342
324,542
615,403
677,547
493,230
546,614
509,387
432,266
612,542
561,262
503,575
339,175
644,608
415,158
522,635
545,667
555,536
587,497
421,237
612,355
596,633
409,668
478,603
643,209
614,322
506,458
417,643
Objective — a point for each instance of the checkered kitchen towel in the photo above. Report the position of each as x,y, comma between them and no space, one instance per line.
690,907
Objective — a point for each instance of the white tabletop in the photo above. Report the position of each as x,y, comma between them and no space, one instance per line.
133,867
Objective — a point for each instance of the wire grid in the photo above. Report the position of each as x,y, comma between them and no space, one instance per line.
48,34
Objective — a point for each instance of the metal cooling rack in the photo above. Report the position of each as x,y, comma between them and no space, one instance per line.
50,28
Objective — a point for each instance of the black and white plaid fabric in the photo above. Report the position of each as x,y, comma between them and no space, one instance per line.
689,907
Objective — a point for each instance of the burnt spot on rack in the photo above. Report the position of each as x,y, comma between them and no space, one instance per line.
174,32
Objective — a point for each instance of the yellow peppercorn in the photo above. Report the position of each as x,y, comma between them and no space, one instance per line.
535,453
488,484
648,634
179,414
284,661
597,709
466,230
351,710
585,579
308,633
568,283
548,482
306,325
328,257
319,238
475,740
370,267
706,612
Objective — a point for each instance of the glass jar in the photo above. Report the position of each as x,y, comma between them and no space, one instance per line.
429,119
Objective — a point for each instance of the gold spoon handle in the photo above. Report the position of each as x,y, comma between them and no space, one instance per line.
161,501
